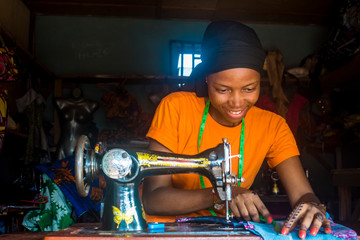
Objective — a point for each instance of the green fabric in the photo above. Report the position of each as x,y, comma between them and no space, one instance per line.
53,215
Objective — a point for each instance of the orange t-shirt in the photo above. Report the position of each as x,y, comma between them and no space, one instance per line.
176,125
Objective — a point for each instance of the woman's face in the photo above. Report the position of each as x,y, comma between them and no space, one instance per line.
232,93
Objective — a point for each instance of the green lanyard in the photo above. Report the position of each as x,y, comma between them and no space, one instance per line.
241,150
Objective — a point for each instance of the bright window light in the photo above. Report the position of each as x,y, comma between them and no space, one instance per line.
186,63
187,55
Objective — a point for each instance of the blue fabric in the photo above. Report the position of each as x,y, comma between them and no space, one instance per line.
337,232
267,232
62,172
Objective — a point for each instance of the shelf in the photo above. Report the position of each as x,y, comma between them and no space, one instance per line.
303,12
131,79
17,133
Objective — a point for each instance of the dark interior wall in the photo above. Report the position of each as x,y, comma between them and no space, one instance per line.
90,45
79,45
93,45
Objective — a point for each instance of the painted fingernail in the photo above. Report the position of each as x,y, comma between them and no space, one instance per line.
313,231
302,234
327,230
284,231
270,219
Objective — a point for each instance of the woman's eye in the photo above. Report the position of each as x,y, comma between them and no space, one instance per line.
222,90
249,89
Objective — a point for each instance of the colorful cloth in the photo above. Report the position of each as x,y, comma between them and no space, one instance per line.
176,125
125,110
53,215
266,231
274,66
62,172
3,113
337,232
8,69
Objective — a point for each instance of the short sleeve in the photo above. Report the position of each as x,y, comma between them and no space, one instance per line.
284,144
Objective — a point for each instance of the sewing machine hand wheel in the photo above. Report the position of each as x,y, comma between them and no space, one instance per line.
86,167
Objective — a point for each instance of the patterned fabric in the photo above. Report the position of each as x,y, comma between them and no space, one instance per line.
53,215
8,70
266,231
62,173
337,232
274,66
3,113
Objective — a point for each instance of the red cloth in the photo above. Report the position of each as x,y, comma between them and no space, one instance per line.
294,109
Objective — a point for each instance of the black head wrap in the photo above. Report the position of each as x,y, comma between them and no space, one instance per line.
226,45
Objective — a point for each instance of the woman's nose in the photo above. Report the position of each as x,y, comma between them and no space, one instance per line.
236,99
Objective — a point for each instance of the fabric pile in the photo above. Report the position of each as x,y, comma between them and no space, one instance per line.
64,204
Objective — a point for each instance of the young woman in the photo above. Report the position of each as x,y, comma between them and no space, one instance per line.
189,123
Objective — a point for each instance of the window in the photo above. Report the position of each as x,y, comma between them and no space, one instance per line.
184,57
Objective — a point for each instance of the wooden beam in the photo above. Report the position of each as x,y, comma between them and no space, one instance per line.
256,11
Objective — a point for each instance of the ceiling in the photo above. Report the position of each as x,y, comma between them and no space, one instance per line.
302,12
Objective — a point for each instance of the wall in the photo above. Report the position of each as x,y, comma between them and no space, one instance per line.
89,45
15,19
85,45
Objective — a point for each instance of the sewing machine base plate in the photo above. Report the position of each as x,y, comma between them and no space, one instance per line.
176,231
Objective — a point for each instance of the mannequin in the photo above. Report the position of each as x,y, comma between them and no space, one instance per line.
76,119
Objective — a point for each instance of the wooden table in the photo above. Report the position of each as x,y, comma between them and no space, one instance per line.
24,236
14,215
90,231
345,179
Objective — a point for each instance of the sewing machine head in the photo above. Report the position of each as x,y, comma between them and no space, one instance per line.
124,171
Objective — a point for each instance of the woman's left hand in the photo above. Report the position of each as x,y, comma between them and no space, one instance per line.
308,215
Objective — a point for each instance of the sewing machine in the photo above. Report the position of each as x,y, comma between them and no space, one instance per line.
124,171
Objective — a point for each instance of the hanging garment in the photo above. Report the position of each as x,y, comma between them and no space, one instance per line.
274,67
37,150
293,114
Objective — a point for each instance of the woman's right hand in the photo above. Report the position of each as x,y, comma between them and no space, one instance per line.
247,204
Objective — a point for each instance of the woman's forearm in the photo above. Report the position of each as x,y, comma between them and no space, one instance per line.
291,174
161,199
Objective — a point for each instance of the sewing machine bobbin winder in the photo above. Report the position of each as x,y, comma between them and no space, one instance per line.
124,171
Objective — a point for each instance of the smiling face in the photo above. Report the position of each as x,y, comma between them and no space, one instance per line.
232,93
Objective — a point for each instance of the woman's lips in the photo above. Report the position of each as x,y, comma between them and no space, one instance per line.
236,114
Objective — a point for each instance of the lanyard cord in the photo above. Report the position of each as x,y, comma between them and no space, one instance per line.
241,150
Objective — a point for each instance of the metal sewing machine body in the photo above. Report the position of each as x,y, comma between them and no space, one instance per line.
124,172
